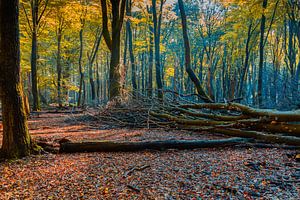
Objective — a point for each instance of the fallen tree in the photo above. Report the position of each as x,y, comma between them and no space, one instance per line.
114,146
232,119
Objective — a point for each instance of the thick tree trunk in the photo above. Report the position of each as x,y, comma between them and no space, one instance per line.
16,139
114,70
111,146
288,140
262,113
113,43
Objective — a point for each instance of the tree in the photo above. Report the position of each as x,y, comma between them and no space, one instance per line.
16,138
130,45
37,9
261,53
113,41
81,79
150,58
188,68
63,16
157,30
91,59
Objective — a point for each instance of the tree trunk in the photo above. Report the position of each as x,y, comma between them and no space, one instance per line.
111,146
261,55
188,68
97,81
36,104
92,83
130,45
36,16
80,67
16,139
150,61
113,43
157,26
288,140
59,68
92,58
114,70
246,63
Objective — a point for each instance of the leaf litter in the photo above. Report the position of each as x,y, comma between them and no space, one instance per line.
227,173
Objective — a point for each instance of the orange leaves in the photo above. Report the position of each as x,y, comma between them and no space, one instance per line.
206,173
105,191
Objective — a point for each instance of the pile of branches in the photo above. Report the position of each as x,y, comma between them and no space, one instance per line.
228,118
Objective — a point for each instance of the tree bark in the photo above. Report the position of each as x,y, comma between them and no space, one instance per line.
80,68
98,82
36,104
16,138
111,146
150,59
157,26
288,140
293,116
261,54
59,68
130,45
246,62
37,12
113,43
188,68
92,58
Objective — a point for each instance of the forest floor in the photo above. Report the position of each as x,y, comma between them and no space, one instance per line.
211,173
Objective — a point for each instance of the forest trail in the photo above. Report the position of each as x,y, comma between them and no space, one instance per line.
218,173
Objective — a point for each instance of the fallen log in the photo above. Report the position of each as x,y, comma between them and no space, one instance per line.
211,116
290,116
113,146
198,122
269,138
289,129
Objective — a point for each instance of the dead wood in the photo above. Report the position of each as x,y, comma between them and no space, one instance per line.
292,116
232,119
288,140
113,146
141,168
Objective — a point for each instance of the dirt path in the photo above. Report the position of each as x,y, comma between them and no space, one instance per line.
238,173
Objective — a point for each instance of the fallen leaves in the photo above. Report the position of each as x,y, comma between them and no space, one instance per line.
236,173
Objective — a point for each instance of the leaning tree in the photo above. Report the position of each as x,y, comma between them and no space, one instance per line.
16,138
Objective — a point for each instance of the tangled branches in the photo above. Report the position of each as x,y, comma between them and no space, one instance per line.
226,118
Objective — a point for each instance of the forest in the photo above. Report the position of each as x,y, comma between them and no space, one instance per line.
149,99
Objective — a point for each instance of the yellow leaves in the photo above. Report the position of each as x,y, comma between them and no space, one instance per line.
136,21
170,72
162,48
73,88
229,36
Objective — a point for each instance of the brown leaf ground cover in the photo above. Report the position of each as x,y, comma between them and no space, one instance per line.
227,173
